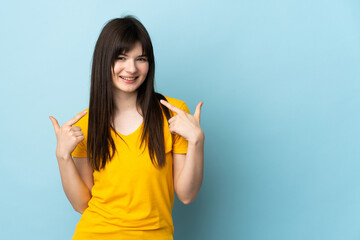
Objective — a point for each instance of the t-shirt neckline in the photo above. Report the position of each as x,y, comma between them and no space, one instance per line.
129,135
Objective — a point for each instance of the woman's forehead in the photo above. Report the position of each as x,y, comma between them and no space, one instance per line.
134,49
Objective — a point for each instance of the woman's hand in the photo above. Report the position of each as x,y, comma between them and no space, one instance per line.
68,136
184,124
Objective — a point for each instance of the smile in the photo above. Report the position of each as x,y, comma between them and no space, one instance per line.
128,78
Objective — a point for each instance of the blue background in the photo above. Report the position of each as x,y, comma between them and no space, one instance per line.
281,91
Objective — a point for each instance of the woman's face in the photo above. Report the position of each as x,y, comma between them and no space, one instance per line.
130,70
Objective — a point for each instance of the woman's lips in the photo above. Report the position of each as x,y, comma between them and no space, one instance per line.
128,79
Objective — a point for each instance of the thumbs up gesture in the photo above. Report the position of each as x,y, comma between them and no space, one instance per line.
68,136
184,124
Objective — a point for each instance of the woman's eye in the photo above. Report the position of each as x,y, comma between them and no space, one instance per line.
142,59
121,58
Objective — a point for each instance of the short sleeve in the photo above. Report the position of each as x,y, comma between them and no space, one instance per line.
180,144
80,150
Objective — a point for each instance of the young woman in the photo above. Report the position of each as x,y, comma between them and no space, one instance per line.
122,158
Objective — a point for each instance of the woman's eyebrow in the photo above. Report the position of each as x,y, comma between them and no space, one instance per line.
137,56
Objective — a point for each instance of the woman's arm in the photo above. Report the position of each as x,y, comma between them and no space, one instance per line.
74,187
68,137
188,170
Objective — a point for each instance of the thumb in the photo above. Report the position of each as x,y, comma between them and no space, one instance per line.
198,110
55,123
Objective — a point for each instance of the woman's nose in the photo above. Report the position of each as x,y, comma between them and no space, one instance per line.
131,66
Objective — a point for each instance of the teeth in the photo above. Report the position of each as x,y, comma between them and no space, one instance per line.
128,78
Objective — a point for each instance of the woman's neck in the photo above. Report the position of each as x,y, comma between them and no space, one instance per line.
125,102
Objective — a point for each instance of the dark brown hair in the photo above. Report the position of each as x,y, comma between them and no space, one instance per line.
119,35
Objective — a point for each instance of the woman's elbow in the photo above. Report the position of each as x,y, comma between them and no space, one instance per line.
80,209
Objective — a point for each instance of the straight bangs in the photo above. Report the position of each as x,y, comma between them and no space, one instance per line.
126,41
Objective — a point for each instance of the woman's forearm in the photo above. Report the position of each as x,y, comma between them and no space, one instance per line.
74,187
191,176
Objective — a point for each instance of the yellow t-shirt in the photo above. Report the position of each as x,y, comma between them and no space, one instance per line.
131,199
